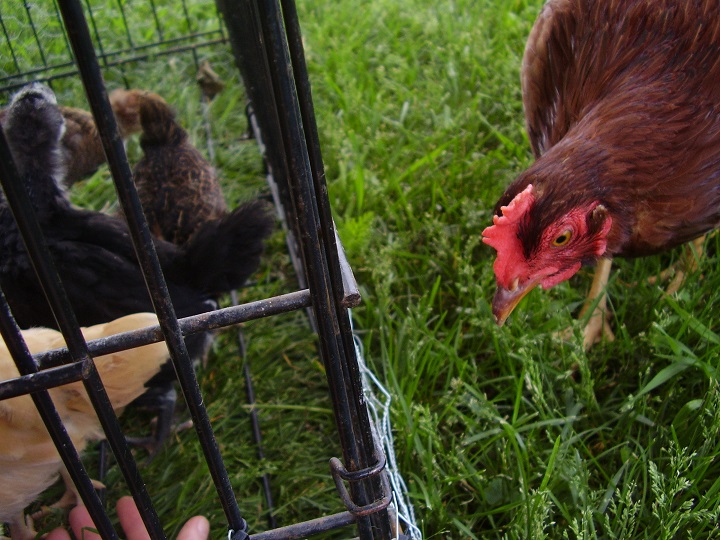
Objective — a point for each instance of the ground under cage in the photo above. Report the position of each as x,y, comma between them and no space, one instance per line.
81,51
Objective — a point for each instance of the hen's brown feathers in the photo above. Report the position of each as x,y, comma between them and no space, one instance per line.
178,188
622,104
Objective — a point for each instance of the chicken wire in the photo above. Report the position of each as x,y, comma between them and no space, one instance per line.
142,43
38,47
379,401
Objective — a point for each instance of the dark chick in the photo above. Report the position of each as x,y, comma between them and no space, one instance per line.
178,188
93,251
622,104
80,146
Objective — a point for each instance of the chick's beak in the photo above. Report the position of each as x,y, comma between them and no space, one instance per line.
505,300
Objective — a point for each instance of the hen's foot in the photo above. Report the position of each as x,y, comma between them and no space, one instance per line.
688,264
68,500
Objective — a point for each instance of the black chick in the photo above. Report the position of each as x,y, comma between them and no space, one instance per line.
81,146
93,251
178,188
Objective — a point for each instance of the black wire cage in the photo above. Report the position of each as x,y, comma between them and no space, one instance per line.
266,44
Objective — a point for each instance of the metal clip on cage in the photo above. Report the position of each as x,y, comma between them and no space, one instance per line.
267,46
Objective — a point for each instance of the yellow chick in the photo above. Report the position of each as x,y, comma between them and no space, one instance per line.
29,462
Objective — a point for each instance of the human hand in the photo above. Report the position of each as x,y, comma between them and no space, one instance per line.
196,528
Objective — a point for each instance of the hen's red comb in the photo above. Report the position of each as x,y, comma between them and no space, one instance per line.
502,235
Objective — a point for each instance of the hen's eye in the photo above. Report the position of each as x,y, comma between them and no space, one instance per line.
562,239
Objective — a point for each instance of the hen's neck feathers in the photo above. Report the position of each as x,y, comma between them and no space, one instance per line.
623,107
581,51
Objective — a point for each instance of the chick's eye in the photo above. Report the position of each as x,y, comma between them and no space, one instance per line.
562,239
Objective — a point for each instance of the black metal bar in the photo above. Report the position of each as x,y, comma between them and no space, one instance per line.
309,195
95,30
339,271
142,240
212,320
64,32
280,196
32,236
28,7
255,421
307,528
9,42
42,380
125,23
186,14
257,36
248,47
107,64
157,20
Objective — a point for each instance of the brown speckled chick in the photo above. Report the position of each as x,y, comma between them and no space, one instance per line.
178,188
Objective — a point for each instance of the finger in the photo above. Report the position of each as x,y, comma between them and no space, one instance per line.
58,534
82,524
131,520
196,528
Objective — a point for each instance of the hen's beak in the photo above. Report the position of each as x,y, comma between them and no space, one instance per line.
505,300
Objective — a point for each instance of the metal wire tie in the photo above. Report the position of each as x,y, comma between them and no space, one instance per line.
340,473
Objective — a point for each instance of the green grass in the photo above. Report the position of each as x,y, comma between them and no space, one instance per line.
500,432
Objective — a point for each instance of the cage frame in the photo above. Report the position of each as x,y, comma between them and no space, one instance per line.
266,42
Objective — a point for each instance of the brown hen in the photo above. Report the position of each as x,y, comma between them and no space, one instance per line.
29,462
622,104
178,188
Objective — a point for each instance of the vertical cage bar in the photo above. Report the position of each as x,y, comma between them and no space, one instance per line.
284,135
46,409
64,32
95,30
28,8
145,250
32,236
121,7
8,41
157,20
351,368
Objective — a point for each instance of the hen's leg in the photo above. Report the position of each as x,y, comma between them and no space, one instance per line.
69,499
597,326
161,399
21,528
691,255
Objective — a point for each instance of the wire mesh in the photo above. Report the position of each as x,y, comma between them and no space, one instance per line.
40,48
